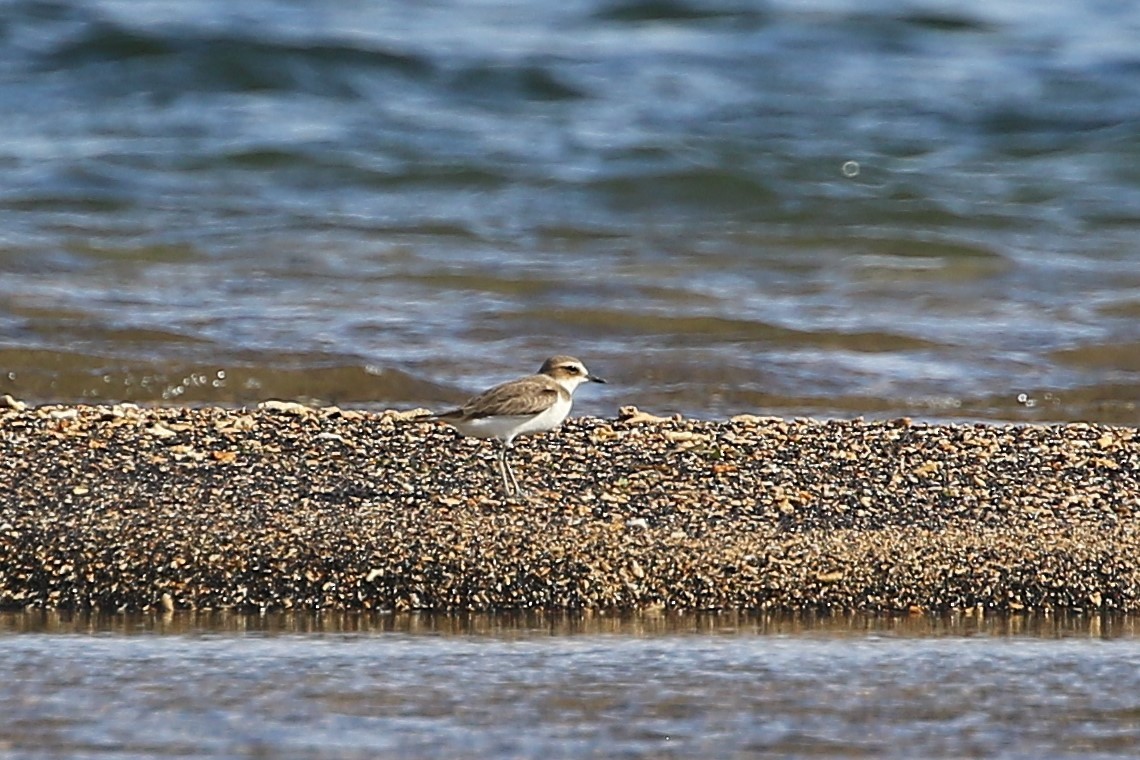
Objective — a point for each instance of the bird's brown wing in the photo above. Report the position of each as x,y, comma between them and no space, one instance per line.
517,398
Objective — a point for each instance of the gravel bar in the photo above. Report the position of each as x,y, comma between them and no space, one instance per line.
286,507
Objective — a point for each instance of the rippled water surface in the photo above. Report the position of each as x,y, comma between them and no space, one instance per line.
825,207
534,687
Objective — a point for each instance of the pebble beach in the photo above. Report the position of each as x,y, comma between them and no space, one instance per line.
287,507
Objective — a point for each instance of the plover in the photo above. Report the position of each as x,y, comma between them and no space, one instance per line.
531,404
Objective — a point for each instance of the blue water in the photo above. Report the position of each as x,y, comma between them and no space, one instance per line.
437,689
785,207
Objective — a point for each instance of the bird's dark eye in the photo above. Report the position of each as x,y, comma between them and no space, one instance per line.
572,369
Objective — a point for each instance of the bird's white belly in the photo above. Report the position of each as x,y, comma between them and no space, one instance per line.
506,427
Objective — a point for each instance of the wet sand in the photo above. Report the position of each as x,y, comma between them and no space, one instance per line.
284,507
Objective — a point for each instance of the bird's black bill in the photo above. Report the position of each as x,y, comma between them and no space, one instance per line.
596,379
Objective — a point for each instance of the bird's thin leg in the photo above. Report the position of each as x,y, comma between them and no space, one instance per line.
514,481
510,485
515,488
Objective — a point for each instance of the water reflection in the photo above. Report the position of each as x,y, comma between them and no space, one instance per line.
567,685
580,623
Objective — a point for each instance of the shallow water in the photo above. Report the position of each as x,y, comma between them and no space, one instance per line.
537,686
824,207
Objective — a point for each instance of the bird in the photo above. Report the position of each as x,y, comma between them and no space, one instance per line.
532,404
